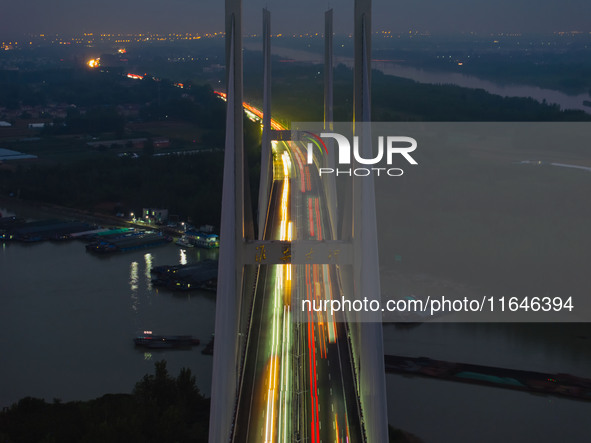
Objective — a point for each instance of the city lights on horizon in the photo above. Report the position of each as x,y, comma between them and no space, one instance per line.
90,39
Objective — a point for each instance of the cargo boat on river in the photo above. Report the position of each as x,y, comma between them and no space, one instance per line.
565,385
165,341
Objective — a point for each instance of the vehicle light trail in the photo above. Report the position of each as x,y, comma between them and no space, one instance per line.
276,412
311,217
318,227
274,124
277,424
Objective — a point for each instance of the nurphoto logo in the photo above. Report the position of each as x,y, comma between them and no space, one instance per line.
394,145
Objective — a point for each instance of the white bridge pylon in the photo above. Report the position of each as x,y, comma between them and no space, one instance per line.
241,253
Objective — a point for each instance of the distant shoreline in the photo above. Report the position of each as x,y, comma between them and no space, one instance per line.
35,209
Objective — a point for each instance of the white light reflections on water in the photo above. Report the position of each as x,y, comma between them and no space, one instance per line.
133,283
183,259
133,276
148,259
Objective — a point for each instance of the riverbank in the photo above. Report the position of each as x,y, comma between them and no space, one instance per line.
505,89
36,210
160,408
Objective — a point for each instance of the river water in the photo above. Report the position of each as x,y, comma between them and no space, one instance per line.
67,320
565,101
442,411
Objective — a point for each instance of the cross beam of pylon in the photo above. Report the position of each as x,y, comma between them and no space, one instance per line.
301,252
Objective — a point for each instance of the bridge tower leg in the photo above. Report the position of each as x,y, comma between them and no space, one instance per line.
236,228
329,183
328,71
266,152
367,332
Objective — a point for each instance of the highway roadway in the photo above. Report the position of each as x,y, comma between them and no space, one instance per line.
297,382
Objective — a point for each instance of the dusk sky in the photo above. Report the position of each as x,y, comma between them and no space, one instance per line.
74,16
